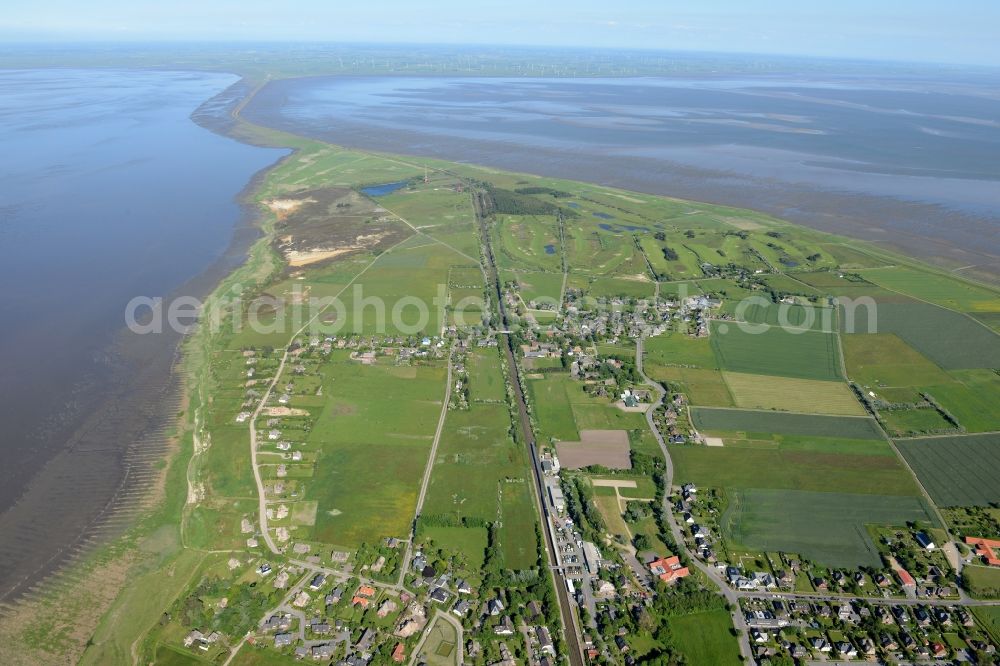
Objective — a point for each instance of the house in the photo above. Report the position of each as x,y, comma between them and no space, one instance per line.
668,569
494,607
820,644
505,627
276,623
461,608
987,549
905,579
545,641
283,639
847,650
388,606
462,587
322,651
317,581
399,653
622,645
364,643
439,594
925,541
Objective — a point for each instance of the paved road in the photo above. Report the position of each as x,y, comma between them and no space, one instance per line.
408,553
668,511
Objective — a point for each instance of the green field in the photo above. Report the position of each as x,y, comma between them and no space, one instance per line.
703,387
706,638
827,527
486,381
903,422
519,519
677,349
774,351
956,470
552,407
792,468
936,288
536,286
373,436
884,359
706,418
983,582
972,398
989,618
468,541
792,316
793,395
933,330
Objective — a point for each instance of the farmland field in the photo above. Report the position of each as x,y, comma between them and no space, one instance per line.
518,516
883,359
933,330
373,436
703,387
677,349
706,418
552,407
536,285
827,527
972,398
793,395
925,285
983,582
792,468
792,316
806,355
901,422
956,470
486,382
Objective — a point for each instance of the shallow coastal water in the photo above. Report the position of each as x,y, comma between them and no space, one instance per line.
108,190
907,161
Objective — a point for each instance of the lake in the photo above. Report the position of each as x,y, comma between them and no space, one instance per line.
904,160
109,191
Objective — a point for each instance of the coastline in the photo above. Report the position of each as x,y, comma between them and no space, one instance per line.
149,551
112,552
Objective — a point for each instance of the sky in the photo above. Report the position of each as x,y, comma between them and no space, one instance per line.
956,31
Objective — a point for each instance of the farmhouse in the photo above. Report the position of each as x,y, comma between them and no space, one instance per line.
987,549
668,569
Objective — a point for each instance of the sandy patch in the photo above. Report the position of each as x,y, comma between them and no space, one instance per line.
714,441
296,258
614,483
284,411
286,205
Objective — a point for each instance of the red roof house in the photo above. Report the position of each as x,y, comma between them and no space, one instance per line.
668,569
905,578
988,549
